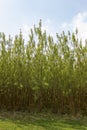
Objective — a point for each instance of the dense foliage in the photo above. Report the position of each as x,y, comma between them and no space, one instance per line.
43,74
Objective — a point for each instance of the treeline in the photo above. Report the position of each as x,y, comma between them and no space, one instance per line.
43,74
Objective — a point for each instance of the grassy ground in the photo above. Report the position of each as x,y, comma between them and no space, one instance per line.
25,121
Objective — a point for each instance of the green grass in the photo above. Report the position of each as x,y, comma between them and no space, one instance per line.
25,121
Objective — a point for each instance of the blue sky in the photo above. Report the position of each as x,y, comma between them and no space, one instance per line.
56,15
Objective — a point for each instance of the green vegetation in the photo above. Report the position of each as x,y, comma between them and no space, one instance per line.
26,121
43,74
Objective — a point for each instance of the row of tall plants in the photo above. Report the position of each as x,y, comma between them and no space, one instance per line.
43,74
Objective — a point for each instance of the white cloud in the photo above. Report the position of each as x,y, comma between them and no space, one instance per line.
79,21
46,25
64,25
25,30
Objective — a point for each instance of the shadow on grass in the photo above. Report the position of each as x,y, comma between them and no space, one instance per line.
56,124
41,122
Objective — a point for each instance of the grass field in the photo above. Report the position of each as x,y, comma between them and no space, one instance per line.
25,121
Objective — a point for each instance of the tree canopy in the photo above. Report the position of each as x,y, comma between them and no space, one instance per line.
43,74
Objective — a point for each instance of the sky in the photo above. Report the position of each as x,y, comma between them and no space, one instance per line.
56,15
